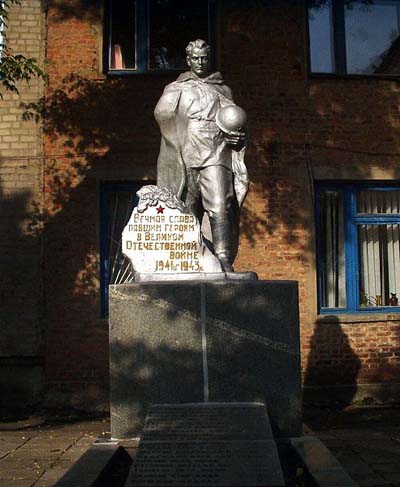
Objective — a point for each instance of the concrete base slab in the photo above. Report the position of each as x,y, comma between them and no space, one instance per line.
323,467
207,445
102,465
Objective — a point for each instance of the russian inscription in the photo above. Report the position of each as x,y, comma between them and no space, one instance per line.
162,236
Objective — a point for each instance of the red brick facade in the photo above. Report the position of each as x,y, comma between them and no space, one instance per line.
302,128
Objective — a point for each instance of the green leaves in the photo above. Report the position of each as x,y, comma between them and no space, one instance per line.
14,67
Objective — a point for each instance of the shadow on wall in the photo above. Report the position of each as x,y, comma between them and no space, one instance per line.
21,319
332,366
88,10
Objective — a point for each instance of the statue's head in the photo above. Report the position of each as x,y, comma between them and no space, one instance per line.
198,57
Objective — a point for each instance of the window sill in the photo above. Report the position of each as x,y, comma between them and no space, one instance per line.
357,317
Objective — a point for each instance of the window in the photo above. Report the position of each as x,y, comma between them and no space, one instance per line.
117,201
2,27
354,36
151,35
358,245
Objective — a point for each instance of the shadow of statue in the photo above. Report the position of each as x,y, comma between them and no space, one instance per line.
332,365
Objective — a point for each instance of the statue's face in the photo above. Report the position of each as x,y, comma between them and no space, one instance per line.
199,62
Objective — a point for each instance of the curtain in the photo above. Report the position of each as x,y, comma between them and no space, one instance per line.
332,250
379,250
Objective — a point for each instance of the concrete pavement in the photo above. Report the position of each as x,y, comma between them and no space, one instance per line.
366,440
39,455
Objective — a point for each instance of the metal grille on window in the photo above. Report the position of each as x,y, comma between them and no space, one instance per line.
332,250
379,250
119,208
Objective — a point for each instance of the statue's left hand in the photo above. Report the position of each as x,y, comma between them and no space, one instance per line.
235,138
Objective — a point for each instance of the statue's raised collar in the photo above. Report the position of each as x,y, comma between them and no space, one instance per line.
214,78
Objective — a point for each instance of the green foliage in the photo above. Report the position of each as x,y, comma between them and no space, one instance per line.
14,67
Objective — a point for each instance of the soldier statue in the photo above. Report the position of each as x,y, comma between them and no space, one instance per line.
202,149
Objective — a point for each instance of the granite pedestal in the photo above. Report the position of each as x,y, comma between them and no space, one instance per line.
188,342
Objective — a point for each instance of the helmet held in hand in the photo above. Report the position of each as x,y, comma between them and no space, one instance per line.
231,118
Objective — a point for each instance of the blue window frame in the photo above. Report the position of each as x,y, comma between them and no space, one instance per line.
358,247
145,36
1,30
117,200
354,37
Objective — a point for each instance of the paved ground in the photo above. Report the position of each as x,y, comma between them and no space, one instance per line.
39,455
366,440
37,452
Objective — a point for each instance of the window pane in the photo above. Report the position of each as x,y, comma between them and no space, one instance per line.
321,48
378,201
379,265
372,37
332,250
173,24
118,201
122,41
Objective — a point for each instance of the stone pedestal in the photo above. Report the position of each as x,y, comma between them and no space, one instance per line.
186,342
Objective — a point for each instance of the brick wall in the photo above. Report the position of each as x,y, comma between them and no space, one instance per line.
302,129
21,195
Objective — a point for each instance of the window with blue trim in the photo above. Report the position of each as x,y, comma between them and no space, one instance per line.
2,26
151,35
117,200
358,246
354,36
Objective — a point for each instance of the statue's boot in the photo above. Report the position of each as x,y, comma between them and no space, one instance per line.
221,235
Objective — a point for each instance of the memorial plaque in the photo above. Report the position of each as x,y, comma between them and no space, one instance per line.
163,237
239,463
200,421
207,444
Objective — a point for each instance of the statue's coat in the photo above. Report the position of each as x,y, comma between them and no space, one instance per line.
182,144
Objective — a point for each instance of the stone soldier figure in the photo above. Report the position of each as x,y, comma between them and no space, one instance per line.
201,156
